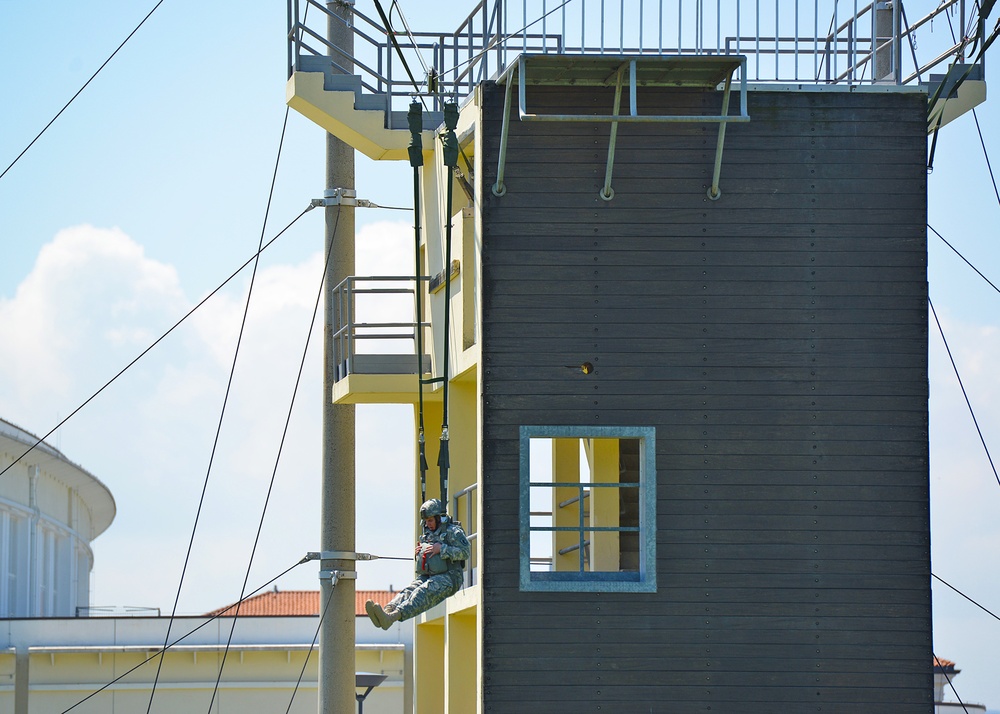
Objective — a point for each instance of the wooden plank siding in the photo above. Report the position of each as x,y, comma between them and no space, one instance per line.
777,341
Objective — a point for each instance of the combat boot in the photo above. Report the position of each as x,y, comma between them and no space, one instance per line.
380,617
375,613
390,618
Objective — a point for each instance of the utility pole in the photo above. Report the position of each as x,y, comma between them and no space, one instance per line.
336,637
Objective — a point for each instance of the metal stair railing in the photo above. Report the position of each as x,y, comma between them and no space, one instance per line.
800,41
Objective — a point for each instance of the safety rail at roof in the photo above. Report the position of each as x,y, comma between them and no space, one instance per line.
847,42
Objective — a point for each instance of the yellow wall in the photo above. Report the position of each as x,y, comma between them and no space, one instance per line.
566,469
463,667
253,681
429,667
604,504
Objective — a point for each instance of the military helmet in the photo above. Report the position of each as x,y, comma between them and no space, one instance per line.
433,507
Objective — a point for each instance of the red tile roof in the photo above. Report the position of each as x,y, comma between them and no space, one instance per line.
277,603
944,664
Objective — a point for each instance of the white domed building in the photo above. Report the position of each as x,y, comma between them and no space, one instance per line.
50,511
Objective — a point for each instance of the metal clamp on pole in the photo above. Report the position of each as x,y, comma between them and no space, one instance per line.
331,555
336,197
339,555
334,576
348,197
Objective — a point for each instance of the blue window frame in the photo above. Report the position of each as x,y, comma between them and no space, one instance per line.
588,508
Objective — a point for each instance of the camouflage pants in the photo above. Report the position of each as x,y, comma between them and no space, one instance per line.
425,592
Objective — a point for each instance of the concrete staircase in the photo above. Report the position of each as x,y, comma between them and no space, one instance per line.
339,104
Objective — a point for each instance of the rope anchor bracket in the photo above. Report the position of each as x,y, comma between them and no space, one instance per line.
348,197
336,197
339,555
334,576
707,73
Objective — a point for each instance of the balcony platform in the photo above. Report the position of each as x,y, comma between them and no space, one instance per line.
381,379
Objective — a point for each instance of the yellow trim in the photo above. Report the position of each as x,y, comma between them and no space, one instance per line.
462,673
428,664
381,389
334,111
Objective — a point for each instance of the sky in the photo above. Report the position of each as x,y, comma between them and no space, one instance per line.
152,188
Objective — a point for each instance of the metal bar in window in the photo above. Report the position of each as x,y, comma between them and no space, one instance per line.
581,536
587,529
571,548
575,499
586,484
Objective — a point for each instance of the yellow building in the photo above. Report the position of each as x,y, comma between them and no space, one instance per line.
105,664
55,655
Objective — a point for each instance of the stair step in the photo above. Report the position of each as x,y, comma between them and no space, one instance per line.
363,101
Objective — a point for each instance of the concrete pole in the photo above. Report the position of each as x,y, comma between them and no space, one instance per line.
336,639
886,28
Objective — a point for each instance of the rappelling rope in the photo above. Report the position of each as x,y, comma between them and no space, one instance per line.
399,50
450,150
414,119
450,147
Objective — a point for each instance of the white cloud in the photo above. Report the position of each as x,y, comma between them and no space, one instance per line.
92,302
90,289
385,248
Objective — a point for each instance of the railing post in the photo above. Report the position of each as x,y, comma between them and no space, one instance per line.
884,41
291,62
897,40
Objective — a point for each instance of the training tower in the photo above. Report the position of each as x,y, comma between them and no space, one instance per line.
686,339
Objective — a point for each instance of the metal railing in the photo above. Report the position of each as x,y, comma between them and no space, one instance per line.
548,561
116,611
464,510
382,311
583,526
787,41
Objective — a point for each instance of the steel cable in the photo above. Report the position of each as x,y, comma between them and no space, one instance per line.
157,341
284,434
80,90
218,429
213,618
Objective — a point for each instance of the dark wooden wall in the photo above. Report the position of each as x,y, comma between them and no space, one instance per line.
777,340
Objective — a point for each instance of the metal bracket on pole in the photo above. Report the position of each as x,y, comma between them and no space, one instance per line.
339,555
348,197
334,576
336,197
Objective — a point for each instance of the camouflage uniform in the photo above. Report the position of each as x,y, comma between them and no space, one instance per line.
429,589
